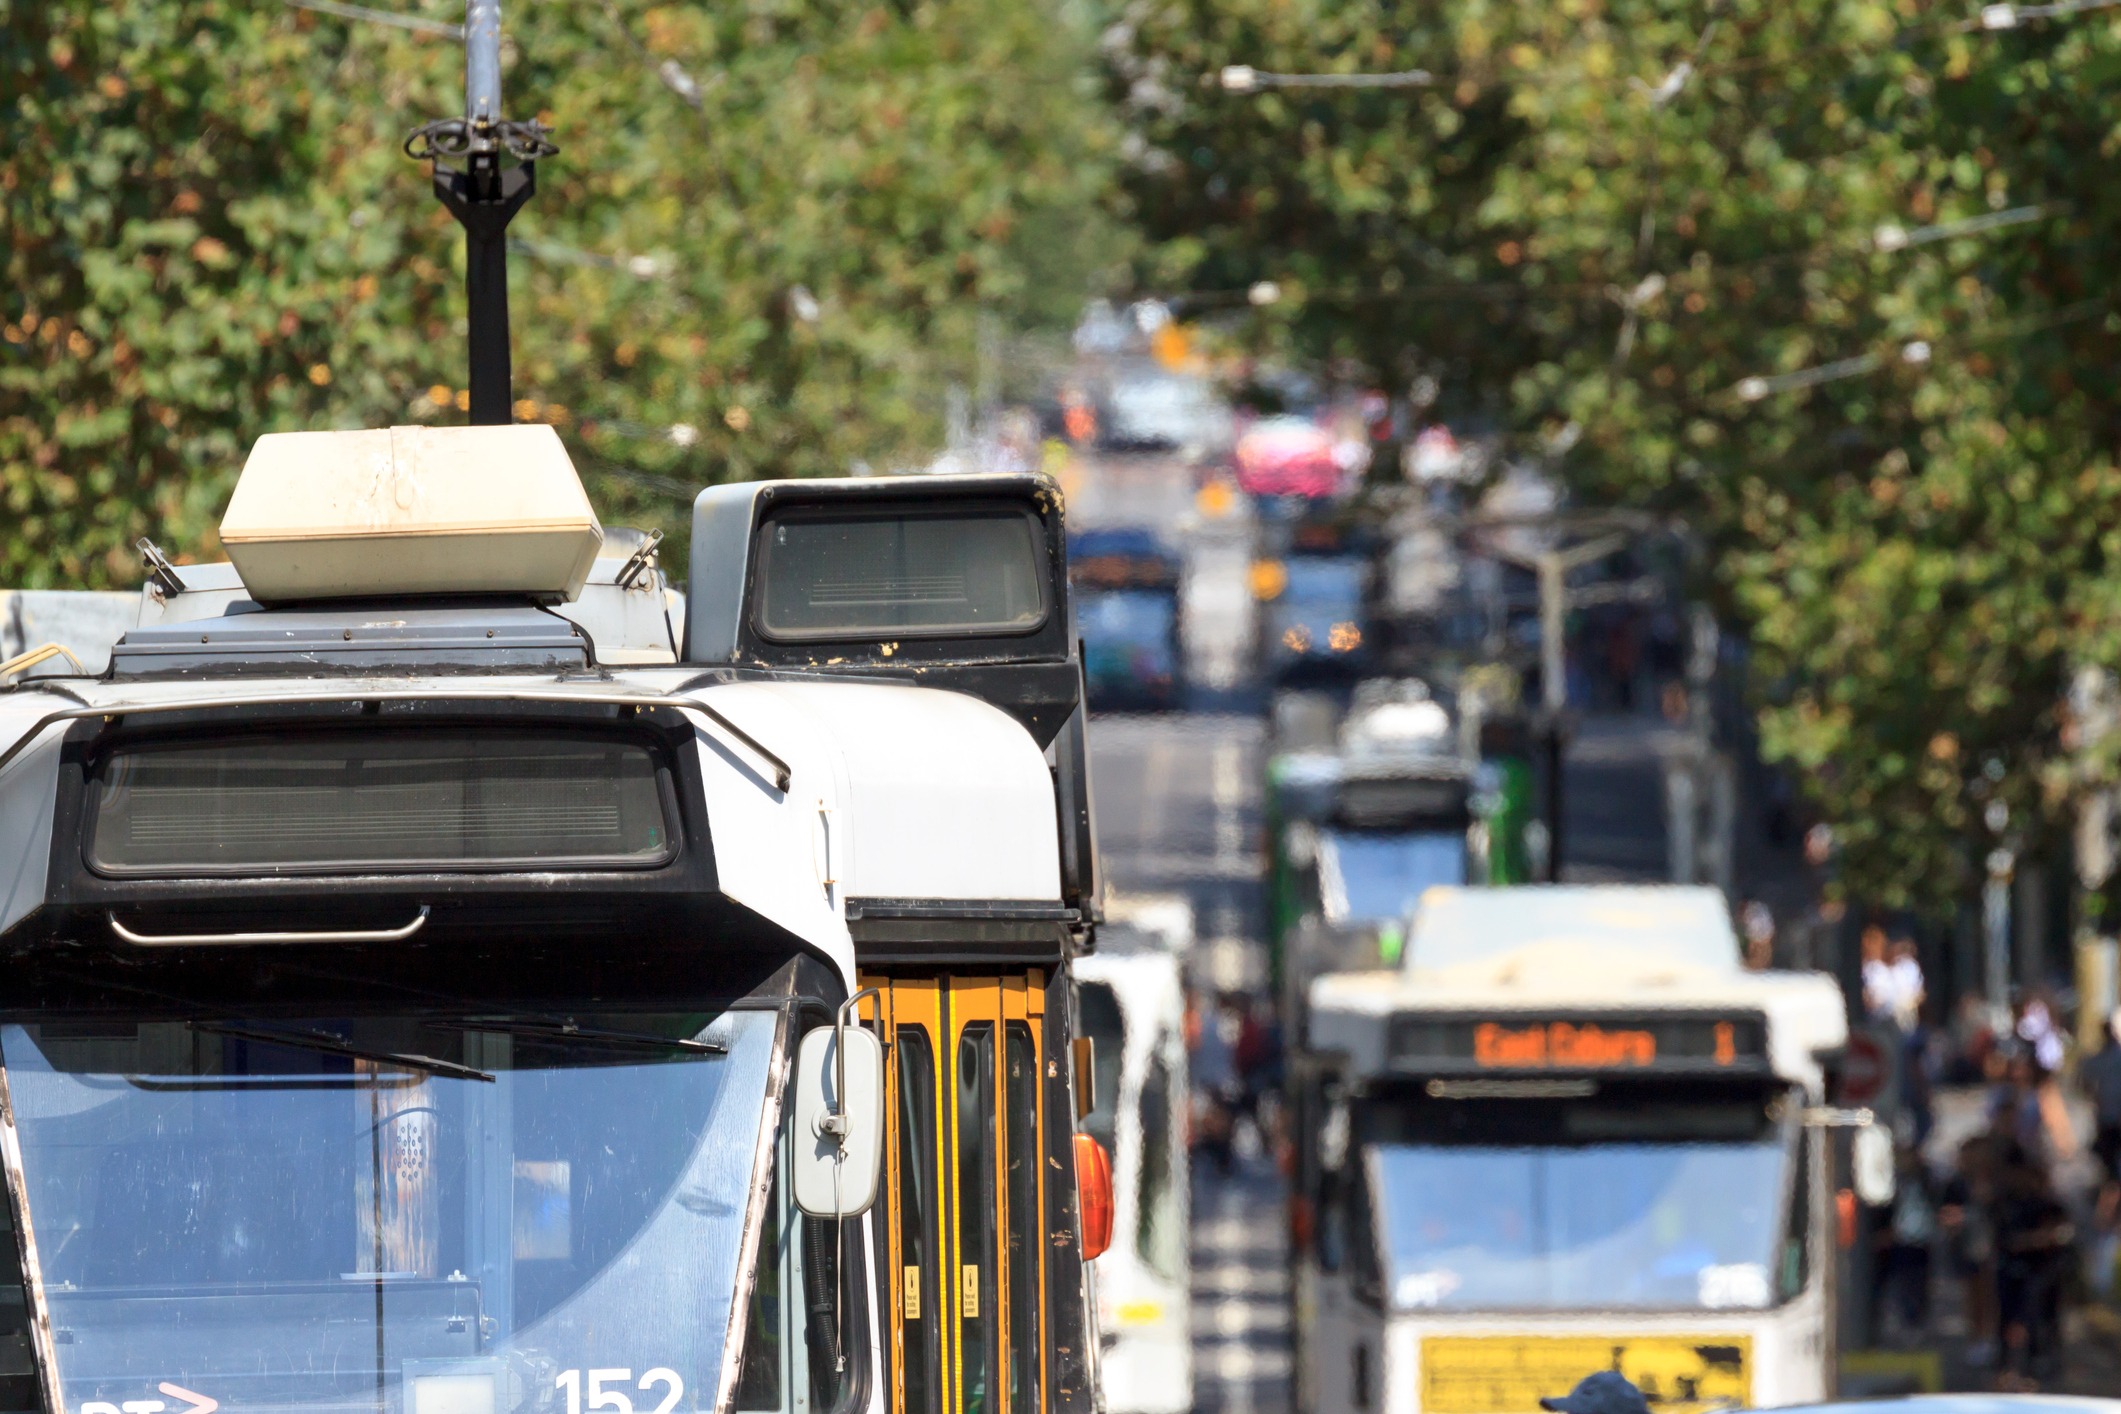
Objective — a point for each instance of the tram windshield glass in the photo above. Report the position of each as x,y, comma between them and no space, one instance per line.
414,1213
1127,634
872,574
1378,878
1585,1204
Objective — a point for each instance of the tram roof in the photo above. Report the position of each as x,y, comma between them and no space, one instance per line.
890,795
1557,952
826,800
1683,924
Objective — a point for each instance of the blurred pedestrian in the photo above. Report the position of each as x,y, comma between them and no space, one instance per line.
1909,1000
1972,1041
2038,1030
2014,1113
2104,1251
2101,1078
1758,921
1902,1284
2033,1243
1259,1063
1213,1071
1906,991
1966,1215
1877,974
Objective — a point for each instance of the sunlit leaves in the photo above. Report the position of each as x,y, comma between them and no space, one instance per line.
1620,211
210,232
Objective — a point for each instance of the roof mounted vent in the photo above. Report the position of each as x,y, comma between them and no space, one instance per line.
411,511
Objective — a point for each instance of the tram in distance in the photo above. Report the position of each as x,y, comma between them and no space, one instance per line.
1569,1133
433,983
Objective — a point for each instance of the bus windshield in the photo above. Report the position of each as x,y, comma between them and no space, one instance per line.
1127,635
1377,878
1651,1206
408,1213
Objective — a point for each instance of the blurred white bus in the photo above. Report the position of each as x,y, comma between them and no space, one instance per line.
1132,1007
1568,1134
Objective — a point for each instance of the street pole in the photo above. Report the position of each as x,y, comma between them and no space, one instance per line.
1553,568
1554,693
484,195
1996,914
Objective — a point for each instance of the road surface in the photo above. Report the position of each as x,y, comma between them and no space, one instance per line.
1177,798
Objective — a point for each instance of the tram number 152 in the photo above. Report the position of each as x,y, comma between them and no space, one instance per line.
615,1400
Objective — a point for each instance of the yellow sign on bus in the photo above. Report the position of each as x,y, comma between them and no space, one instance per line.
1509,1374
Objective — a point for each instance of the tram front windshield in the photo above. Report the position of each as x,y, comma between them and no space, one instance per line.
418,1213
1374,877
1127,634
1621,1200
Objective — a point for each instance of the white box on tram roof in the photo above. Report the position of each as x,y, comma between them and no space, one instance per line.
411,511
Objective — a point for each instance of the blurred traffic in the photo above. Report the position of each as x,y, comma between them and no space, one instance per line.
1330,681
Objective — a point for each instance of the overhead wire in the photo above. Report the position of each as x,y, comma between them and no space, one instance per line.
1886,239
1652,284
1992,18
1916,352
669,486
439,28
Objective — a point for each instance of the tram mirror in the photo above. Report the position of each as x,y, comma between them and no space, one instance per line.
1871,1164
835,1173
1085,1076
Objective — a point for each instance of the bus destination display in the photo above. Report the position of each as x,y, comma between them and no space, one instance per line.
1578,1043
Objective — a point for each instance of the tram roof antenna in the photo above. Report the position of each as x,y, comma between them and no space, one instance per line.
484,195
482,63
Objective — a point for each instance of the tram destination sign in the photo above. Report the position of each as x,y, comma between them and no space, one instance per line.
1693,1043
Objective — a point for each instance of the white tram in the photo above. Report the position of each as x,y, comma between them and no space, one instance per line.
419,963
1569,1134
1132,1008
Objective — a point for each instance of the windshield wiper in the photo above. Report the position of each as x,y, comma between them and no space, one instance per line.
331,1045
568,1031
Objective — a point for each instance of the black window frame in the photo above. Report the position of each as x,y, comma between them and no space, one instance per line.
649,740
1108,1061
914,1055
977,1204
1018,1063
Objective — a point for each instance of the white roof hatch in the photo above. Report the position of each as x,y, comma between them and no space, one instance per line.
411,511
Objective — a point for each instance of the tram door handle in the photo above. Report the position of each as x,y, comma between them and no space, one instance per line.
821,849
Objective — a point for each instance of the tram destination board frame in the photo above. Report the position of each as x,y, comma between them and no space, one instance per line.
1604,1043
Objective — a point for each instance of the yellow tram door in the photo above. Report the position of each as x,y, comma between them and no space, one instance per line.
966,1233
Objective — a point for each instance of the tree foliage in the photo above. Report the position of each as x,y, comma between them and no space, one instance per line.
1739,246
775,228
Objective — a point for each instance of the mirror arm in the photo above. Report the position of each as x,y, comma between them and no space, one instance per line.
835,1123
1835,1117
